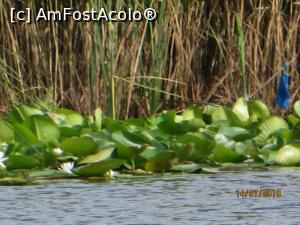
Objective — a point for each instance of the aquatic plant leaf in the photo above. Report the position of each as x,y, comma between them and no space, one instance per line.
222,139
192,113
98,119
101,155
103,138
79,146
67,131
149,152
169,124
161,162
210,170
297,108
140,122
27,149
185,152
112,125
6,132
14,181
268,127
46,173
187,168
268,156
293,120
130,139
202,144
73,120
258,110
24,134
99,168
16,162
236,133
21,112
223,154
289,155
126,152
222,114
44,128
70,118
175,124
247,148
240,108
65,112
209,109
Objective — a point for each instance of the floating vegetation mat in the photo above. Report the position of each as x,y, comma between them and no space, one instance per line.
40,143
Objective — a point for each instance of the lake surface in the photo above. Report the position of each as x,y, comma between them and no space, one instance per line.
169,199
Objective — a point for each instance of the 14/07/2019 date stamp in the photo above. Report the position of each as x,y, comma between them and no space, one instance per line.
259,193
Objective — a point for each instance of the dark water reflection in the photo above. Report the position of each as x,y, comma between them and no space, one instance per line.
191,199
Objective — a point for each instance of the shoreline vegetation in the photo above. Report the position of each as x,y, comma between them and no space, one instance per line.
94,100
195,52
45,143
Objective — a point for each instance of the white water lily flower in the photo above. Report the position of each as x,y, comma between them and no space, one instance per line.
110,173
4,146
2,159
67,167
58,151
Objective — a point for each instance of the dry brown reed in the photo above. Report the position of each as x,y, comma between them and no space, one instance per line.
188,56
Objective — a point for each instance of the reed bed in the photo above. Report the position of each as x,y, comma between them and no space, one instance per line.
196,52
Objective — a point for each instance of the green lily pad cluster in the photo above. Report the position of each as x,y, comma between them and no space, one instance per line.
65,142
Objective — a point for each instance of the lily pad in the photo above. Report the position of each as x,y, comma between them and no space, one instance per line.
24,134
268,156
247,148
46,173
79,146
297,108
185,152
223,154
269,127
162,162
101,155
72,120
240,108
67,131
237,133
187,168
22,112
223,114
18,162
176,124
15,181
150,152
98,169
6,132
202,144
45,130
258,110
293,120
288,155
129,139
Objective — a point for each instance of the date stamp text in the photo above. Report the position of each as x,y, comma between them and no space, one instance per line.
259,193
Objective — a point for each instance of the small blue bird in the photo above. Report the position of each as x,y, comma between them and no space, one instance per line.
283,97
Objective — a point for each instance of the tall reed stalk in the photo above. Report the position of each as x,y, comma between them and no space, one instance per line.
241,54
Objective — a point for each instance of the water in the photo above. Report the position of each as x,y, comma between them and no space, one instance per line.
188,199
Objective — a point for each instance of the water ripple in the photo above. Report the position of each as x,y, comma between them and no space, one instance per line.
194,199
